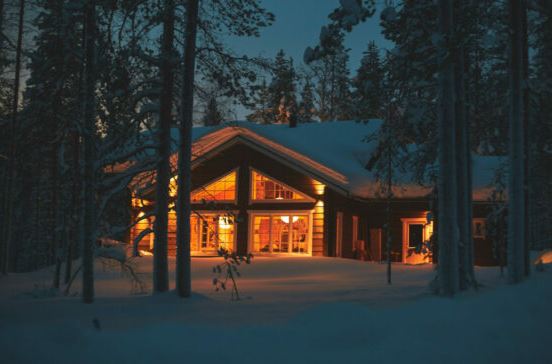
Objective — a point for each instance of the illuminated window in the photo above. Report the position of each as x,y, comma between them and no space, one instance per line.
281,233
267,189
223,189
210,232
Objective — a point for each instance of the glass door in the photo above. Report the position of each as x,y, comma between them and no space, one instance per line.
280,233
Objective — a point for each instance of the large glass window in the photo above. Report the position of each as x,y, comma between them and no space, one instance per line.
267,189
281,233
223,189
210,232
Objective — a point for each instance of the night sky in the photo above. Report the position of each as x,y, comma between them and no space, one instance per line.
297,26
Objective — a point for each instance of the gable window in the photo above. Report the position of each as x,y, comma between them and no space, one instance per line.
222,189
268,189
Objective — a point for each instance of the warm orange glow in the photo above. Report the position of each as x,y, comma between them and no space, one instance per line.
274,233
426,229
173,186
319,188
210,232
286,219
224,223
139,202
223,189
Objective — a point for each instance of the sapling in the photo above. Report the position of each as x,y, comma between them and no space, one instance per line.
227,272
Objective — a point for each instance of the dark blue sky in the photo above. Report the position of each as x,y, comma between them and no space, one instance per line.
297,26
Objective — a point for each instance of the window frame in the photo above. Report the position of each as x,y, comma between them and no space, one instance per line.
271,214
406,222
236,189
213,213
252,190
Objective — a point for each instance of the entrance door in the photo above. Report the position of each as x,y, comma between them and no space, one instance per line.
416,232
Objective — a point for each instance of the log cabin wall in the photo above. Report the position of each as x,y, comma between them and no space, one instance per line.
243,158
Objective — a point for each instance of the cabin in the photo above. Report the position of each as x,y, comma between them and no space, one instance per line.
305,191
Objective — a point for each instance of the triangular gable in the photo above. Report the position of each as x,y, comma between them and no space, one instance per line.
269,189
221,189
220,139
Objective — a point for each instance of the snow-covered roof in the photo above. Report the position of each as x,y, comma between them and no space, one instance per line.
335,153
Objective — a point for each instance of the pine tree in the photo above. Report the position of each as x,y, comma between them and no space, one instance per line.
212,115
333,84
282,89
263,113
367,85
307,108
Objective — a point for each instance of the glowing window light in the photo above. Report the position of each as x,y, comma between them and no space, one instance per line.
224,223
285,219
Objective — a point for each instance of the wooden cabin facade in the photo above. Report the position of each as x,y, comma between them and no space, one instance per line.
255,193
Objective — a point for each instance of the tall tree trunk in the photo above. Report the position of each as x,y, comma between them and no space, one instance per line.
4,174
463,156
8,210
389,195
526,134
447,191
516,195
160,262
89,218
77,226
183,263
75,231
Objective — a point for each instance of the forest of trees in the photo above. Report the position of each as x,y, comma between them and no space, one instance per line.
83,82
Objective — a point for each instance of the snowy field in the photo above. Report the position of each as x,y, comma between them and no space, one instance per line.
294,310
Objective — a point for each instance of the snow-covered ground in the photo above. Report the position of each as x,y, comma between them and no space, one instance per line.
295,310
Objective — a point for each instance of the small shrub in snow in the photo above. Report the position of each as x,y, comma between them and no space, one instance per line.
227,272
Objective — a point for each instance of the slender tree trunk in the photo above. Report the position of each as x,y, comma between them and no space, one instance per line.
4,174
8,210
77,226
183,263
516,195
463,157
75,203
389,197
89,218
160,262
526,144
447,191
